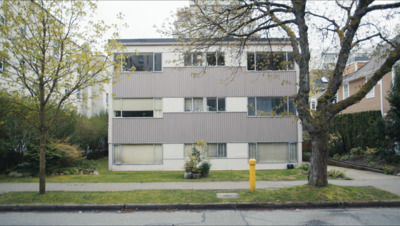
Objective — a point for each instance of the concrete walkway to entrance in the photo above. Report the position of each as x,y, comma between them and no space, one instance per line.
360,178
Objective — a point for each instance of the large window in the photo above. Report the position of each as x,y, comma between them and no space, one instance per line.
193,59
194,104
215,59
147,107
216,150
144,154
263,61
215,104
270,106
273,152
143,62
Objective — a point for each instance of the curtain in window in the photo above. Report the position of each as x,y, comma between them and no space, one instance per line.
221,150
197,104
293,152
252,151
158,113
137,104
117,154
272,152
188,149
188,104
212,150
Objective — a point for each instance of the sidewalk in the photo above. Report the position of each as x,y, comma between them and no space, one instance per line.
360,179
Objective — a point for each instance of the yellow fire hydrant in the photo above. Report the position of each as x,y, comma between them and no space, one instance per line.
252,163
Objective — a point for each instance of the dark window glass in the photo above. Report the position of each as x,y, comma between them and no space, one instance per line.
250,61
157,62
211,59
290,61
197,59
137,113
221,59
141,62
212,104
292,105
221,104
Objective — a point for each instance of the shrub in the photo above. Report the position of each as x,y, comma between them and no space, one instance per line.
356,151
389,169
306,156
205,166
304,168
336,174
335,144
344,158
370,151
336,156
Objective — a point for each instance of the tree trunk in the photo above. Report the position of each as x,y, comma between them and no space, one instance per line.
319,159
42,163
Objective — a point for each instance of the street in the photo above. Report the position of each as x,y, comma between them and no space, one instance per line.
366,216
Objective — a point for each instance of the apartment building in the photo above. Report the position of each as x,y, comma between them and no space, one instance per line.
235,104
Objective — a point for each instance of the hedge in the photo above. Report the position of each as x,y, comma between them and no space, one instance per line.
363,129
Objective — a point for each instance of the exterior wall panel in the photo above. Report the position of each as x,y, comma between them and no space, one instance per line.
217,82
212,127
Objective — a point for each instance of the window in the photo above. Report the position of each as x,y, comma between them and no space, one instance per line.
216,150
193,59
215,104
194,104
1,66
346,91
262,61
2,19
215,59
371,93
144,154
273,152
267,106
147,107
143,62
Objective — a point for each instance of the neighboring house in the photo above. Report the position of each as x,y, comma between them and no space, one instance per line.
357,74
158,112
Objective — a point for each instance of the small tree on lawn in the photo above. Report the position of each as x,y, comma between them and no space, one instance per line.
48,56
304,24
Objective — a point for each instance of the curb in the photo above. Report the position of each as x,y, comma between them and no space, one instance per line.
194,206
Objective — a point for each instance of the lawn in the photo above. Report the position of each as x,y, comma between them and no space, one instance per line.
302,193
163,176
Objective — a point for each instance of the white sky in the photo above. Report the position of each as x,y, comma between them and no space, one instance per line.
140,15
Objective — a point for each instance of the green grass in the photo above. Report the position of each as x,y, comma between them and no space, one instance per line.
302,193
163,176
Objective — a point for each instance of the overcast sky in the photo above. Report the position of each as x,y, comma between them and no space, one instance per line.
140,15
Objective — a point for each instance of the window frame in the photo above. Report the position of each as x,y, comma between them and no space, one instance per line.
254,53
217,101
371,93
289,146
346,92
192,104
219,151
192,55
288,107
124,67
138,164
216,55
120,114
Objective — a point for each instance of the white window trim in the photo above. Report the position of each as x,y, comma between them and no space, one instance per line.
255,61
344,90
371,93
219,157
154,151
216,53
154,62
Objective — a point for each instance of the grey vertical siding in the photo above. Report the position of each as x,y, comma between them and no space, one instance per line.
212,127
174,82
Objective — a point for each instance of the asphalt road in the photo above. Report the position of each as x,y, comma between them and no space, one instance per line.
366,216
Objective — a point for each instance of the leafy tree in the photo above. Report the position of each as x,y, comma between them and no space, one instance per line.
348,24
393,116
49,56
